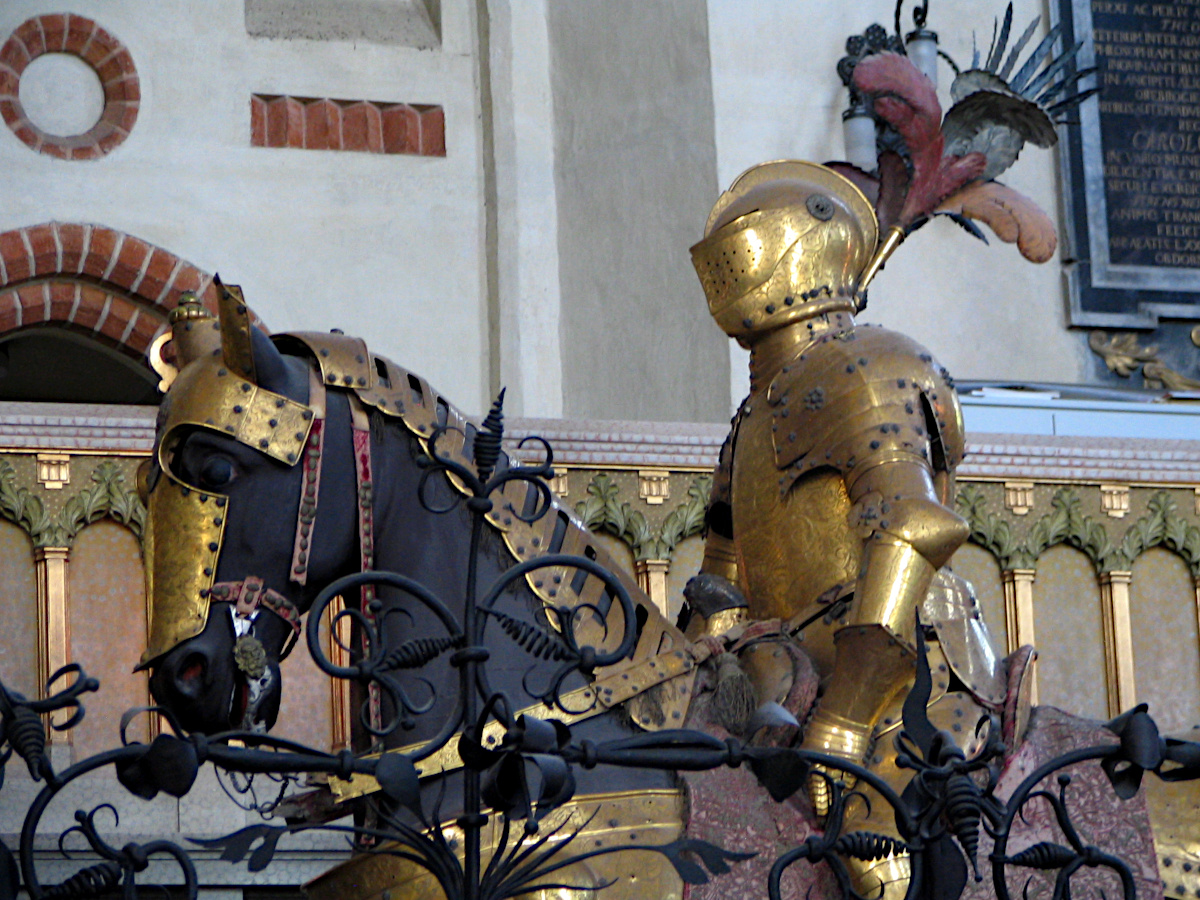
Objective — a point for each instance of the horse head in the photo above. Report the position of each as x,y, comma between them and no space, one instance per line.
230,494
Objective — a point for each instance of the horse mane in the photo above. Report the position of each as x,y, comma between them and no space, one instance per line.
655,682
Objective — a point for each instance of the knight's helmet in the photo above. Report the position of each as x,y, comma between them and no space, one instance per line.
788,241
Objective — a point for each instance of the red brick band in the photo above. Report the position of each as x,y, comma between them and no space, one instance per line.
114,286
366,126
108,57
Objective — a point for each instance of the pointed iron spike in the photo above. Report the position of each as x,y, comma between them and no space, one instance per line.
1036,58
974,52
1063,85
1019,46
1072,102
1002,42
495,417
1050,73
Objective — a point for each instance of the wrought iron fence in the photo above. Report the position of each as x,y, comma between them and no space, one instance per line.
528,773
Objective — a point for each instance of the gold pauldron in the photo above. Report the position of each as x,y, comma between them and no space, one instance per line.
181,544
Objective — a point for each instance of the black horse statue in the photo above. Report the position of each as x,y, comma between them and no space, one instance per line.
282,465
285,464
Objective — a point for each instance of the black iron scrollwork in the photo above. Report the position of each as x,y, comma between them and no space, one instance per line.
520,769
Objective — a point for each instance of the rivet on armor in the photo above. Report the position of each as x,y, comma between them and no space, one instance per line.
348,379
264,443
770,308
246,388
221,373
274,423
747,323
331,378
237,409
850,368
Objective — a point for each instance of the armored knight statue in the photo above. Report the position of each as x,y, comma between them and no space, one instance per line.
832,510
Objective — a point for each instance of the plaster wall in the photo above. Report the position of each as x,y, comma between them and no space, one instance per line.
984,311
635,177
385,245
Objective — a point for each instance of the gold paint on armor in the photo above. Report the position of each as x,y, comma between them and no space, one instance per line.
601,695
625,818
207,395
1172,807
719,624
720,557
791,548
181,544
785,242
236,345
195,333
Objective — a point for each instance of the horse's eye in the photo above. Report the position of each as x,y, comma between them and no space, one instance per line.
216,472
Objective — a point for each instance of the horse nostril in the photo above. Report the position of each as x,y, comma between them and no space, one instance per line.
191,674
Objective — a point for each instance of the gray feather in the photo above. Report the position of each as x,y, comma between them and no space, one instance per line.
1036,59
1018,47
975,80
1065,84
1001,43
1072,101
1050,73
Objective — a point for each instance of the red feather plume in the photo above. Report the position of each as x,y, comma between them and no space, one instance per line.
906,100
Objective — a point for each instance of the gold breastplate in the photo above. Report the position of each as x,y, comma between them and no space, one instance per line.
792,548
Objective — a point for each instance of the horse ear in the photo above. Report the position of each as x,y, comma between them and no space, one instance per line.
269,365
237,346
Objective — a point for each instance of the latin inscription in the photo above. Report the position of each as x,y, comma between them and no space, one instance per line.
1149,58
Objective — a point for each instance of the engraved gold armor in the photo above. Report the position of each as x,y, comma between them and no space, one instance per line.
834,494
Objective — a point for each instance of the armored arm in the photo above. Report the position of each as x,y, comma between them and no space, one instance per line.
715,600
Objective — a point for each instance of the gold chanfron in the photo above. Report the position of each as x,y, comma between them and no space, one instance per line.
613,820
181,544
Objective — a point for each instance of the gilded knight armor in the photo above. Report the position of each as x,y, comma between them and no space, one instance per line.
833,498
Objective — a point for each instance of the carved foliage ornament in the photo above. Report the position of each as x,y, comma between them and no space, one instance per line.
1161,525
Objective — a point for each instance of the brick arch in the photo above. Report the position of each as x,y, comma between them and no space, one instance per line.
108,285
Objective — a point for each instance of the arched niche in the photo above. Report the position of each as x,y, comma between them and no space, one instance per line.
1166,650
980,568
1069,628
685,562
306,706
18,611
57,365
107,613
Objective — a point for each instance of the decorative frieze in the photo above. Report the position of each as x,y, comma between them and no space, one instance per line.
364,126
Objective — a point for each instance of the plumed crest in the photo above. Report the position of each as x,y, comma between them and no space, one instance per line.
904,98
1013,217
996,116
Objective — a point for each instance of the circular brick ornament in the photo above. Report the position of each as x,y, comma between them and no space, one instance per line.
80,37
